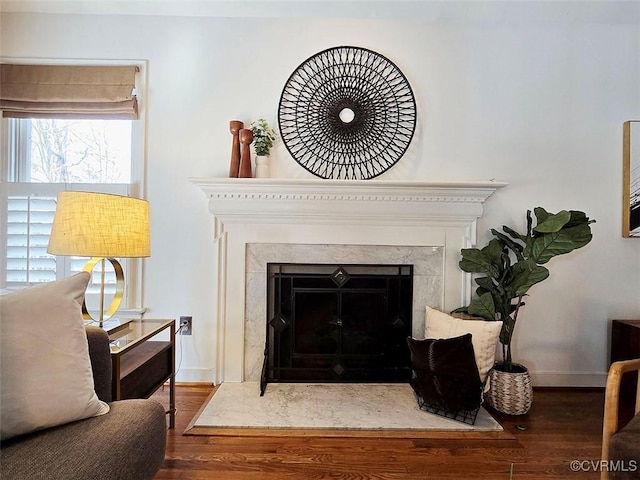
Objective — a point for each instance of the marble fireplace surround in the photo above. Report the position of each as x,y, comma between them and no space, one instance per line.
260,220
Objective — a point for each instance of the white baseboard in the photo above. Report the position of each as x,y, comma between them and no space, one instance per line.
568,379
195,375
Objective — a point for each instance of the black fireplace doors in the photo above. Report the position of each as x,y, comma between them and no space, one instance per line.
337,323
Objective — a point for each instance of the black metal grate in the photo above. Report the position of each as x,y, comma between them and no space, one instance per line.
347,113
464,416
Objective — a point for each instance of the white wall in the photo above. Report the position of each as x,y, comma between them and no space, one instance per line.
537,101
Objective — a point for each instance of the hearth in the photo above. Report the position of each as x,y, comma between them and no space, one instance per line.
337,323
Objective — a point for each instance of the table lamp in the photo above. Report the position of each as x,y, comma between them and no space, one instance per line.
101,226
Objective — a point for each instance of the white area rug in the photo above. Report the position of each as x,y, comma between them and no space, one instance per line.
333,406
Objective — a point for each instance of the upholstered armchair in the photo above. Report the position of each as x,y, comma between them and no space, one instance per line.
620,446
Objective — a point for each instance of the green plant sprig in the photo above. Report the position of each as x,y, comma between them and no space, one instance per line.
263,137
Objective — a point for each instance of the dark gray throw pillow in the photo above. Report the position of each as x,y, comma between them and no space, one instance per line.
445,374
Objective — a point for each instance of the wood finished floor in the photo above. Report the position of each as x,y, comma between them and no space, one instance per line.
563,425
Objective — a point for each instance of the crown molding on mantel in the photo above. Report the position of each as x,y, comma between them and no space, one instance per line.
276,187
233,199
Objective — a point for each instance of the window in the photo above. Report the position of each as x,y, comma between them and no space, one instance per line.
75,151
44,156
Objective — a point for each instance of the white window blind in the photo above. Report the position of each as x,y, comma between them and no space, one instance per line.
29,221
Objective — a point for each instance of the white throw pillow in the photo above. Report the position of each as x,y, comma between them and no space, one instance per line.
46,372
484,335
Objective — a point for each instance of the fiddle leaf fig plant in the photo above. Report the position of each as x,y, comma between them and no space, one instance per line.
513,262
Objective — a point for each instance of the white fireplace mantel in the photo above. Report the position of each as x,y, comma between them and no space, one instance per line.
344,201
332,212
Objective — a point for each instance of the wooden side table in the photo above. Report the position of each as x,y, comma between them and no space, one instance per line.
142,361
625,345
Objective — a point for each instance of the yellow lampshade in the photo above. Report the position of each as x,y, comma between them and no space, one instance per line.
91,224
101,226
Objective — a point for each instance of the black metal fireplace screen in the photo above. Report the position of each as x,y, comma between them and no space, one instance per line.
337,323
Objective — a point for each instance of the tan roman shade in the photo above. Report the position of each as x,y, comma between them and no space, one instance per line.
68,91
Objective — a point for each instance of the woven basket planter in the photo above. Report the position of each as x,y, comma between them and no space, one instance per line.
510,392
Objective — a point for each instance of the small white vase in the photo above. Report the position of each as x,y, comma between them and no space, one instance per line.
262,166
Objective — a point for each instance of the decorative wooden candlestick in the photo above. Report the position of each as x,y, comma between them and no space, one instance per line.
234,127
246,137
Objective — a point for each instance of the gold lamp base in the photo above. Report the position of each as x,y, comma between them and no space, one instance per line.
117,298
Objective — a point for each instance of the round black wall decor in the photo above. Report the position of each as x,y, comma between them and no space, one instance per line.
347,113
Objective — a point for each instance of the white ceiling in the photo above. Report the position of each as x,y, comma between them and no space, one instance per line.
454,11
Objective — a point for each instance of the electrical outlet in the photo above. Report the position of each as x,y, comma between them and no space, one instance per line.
185,324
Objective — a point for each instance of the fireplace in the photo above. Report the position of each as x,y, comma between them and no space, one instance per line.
337,323
331,221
